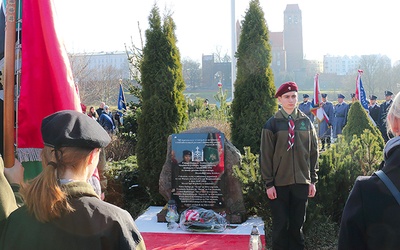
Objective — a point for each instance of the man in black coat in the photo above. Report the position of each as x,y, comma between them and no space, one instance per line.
383,114
374,109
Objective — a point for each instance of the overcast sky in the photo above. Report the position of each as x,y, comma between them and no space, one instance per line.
340,27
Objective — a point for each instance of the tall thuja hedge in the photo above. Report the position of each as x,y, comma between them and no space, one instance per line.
254,100
357,122
163,105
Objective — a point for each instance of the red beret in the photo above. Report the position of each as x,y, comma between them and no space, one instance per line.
286,87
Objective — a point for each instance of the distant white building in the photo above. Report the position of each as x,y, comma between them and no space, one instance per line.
341,65
102,60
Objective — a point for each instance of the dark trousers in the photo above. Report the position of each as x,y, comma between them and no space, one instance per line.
288,216
326,140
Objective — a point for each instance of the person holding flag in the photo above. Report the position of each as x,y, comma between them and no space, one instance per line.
325,125
361,96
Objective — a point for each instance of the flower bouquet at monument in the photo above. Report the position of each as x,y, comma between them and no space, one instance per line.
197,219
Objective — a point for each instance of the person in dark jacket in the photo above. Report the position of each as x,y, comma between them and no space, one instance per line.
383,114
289,164
373,109
106,120
371,216
61,210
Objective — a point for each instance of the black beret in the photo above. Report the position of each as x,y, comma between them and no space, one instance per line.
187,152
286,87
70,128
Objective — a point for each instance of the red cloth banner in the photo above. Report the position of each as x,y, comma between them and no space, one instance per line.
47,84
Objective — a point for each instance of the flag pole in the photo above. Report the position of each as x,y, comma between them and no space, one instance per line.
9,80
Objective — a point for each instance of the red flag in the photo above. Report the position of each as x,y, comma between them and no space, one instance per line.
316,99
47,85
318,112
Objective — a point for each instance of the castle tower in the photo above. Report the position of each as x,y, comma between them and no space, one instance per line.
293,37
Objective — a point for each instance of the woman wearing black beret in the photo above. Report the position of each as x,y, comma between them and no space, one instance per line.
61,210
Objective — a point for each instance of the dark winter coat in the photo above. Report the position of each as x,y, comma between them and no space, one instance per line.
374,113
95,224
384,109
371,217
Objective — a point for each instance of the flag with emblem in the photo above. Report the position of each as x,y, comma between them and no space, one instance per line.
121,100
318,111
360,91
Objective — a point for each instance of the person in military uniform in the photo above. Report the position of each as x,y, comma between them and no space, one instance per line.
306,107
324,126
341,109
374,109
383,114
353,99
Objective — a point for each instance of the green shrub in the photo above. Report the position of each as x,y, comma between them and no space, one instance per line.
120,147
249,174
357,122
123,187
339,167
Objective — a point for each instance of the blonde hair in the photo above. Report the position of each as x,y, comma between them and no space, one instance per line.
394,112
43,195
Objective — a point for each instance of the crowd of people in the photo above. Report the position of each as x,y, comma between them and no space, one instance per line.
110,121
335,116
62,209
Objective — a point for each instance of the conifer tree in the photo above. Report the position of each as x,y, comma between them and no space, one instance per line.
357,122
164,107
254,100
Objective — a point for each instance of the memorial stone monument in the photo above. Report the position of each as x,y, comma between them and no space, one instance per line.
198,172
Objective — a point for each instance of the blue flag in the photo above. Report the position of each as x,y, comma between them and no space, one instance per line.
121,100
360,91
